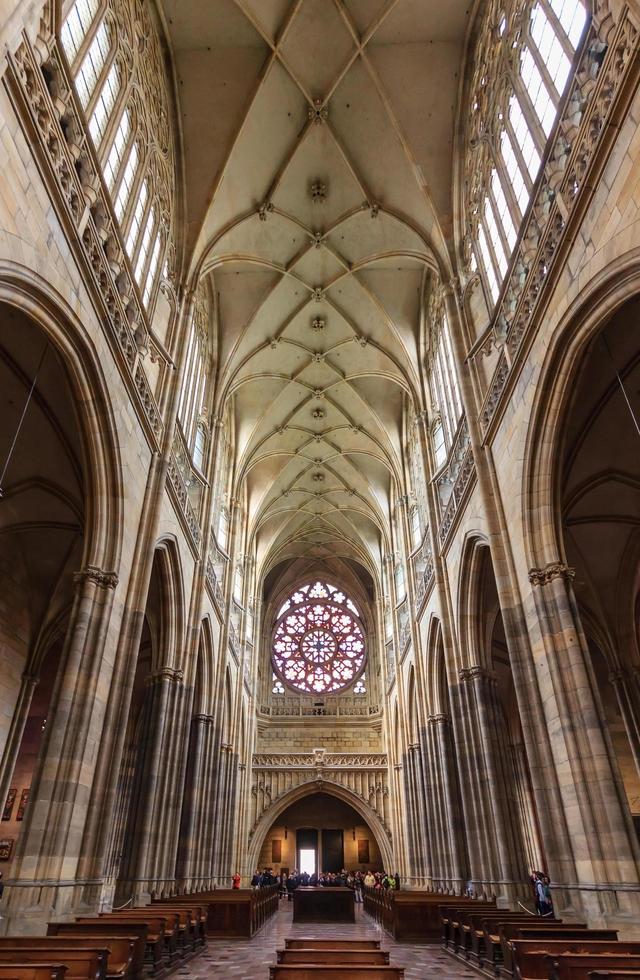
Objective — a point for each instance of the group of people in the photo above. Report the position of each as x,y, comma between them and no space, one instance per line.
356,880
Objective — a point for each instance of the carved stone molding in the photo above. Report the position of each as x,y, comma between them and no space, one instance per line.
551,571
91,573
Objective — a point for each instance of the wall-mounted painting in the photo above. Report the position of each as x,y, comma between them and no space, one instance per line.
276,851
363,852
6,848
22,805
8,807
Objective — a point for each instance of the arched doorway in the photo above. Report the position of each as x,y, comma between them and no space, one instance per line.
367,821
320,832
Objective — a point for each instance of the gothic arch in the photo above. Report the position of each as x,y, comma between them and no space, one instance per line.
598,301
475,565
308,789
27,292
169,638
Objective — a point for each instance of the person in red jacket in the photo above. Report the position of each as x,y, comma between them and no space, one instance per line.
236,880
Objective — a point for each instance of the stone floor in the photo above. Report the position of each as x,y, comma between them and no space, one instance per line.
251,960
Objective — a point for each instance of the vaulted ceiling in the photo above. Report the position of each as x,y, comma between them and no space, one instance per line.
318,158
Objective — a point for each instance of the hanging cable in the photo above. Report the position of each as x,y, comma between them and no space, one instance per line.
21,420
622,387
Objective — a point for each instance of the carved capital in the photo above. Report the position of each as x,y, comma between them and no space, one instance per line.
170,674
204,719
438,719
91,573
551,571
470,673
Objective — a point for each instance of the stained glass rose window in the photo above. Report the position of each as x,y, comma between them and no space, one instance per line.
318,641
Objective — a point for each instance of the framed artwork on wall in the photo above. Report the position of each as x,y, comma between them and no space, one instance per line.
363,852
8,807
6,848
22,805
276,851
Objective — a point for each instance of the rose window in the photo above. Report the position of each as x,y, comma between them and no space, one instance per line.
318,641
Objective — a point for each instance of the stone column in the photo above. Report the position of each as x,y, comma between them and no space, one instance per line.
49,848
492,830
191,869
601,877
153,824
626,684
16,731
447,793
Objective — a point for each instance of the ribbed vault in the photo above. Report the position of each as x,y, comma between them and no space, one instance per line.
318,159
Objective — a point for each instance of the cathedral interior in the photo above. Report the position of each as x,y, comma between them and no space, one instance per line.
319,449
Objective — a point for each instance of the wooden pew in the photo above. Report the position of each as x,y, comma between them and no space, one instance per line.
530,957
119,951
101,932
307,972
81,964
544,933
165,923
449,915
196,910
361,944
476,929
35,971
154,957
578,966
335,957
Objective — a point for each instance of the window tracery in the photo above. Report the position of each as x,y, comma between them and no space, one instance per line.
115,60
318,642
522,67
193,391
446,402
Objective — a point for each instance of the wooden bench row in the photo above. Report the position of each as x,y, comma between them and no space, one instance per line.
517,945
134,943
333,959
411,916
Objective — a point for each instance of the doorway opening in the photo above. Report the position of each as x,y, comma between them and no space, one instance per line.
307,842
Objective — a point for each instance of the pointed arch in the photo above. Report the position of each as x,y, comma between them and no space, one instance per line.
257,838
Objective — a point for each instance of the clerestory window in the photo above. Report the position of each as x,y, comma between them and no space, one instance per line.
554,30
90,43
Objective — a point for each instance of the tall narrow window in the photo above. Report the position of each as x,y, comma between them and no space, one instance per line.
554,31
445,391
193,388
104,106
117,152
126,185
92,65
76,26
136,220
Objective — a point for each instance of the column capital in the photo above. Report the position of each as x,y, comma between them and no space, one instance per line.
438,719
91,573
469,673
171,674
551,571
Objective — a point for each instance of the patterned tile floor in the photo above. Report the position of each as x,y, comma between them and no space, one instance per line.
251,960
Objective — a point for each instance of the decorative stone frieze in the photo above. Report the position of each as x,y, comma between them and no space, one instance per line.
276,775
455,479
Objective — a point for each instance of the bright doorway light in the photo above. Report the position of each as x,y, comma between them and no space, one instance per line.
307,860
